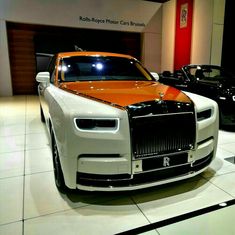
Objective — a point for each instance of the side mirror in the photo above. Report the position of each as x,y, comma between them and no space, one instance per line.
155,75
43,77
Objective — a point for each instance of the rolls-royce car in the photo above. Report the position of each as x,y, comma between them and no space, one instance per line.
211,81
114,127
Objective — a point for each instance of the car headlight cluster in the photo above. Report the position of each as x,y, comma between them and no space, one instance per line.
97,124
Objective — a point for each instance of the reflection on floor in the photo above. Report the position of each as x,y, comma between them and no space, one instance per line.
231,159
31,204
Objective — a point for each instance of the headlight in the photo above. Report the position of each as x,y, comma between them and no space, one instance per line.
204,114
97,124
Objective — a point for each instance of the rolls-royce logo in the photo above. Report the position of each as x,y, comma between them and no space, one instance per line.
166,161
234,98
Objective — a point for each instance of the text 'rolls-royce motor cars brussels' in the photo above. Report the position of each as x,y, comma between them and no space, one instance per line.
114,127
211,81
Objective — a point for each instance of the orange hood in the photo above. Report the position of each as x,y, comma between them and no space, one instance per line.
124,93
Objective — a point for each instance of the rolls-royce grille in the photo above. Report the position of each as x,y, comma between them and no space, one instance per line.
162,134
161,127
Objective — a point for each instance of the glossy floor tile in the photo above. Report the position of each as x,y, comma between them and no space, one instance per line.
11,199
215,223
109,218
31,204
12,143
11,164
12,229
179,198
38,160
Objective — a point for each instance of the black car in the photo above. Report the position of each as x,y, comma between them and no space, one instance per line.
210,81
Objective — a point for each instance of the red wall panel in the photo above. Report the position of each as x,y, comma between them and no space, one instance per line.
183,33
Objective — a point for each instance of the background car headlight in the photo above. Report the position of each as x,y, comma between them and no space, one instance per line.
97,124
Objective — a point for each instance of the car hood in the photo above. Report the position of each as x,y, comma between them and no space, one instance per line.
124,93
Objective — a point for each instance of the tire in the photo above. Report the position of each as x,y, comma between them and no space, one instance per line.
58,174
42,115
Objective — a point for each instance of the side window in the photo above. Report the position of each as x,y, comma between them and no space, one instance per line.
51,69
199,74
52,77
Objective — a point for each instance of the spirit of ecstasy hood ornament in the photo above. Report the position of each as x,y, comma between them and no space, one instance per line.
160,99
161,94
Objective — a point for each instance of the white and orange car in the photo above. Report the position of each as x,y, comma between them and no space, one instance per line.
114,127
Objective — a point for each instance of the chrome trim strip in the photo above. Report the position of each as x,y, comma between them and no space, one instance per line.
163,114
160,155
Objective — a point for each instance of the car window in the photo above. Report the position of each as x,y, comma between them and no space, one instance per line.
211,73
42,61
51,69
97,68
51,65
206,73
192,71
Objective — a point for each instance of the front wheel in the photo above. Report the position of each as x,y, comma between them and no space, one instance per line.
58,174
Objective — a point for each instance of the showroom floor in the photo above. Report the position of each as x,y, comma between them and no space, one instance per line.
31,204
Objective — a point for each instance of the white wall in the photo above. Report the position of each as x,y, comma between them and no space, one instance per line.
217,32
121,15
208,24
5,75
202,31
151,43
69,12
168,35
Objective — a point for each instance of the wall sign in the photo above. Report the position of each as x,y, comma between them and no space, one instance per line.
183,33
183,15
88,20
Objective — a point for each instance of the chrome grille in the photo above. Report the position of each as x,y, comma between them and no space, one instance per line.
161,134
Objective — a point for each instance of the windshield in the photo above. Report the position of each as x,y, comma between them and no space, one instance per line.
97,68
209,73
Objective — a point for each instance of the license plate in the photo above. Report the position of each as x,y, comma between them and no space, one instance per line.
164,161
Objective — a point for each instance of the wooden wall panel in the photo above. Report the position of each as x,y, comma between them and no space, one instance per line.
22,60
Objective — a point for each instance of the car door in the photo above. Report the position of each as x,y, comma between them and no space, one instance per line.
205,85
200,83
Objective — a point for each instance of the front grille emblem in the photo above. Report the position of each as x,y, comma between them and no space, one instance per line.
166,161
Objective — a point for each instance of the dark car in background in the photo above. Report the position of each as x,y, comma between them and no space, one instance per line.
211,81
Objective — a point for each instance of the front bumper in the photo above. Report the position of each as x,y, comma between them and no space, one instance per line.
122,182
150,172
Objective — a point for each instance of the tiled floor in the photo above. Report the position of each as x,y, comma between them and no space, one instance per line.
31,204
